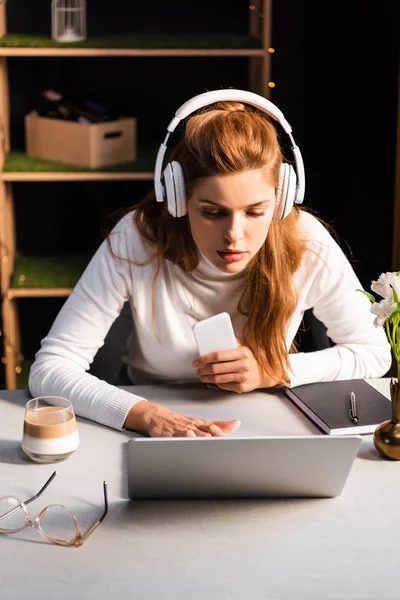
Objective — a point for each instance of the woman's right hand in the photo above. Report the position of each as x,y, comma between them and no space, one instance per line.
159,421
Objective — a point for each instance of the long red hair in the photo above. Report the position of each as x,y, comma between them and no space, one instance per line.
226,138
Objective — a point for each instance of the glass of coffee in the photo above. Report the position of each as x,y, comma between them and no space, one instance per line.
50,432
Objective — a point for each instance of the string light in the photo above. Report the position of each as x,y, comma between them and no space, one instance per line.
271,84
9,348
271,50
10,353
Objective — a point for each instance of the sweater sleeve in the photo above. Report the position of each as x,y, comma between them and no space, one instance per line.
362,350
78,332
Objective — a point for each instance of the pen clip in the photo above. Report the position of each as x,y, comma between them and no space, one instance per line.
353,410
353,417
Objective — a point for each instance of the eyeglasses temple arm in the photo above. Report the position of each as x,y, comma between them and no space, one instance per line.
13,510
84,537
50,479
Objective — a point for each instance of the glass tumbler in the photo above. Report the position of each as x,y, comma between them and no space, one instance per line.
50,433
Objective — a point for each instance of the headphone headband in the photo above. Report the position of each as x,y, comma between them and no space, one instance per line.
207,98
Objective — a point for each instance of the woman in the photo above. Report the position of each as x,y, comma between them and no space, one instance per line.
227,237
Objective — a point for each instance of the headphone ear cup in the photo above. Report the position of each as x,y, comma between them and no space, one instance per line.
286,191
180,188
169,189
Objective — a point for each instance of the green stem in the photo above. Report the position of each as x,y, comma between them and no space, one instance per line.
394,337
387,326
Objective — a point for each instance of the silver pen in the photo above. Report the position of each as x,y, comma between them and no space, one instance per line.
353,408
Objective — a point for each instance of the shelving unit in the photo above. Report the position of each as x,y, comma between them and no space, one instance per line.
16,167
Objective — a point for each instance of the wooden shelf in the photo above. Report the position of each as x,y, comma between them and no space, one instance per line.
20,167
38,292
84,176
52,277
88,52
135,45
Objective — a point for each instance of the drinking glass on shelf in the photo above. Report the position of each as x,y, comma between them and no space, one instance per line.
50,433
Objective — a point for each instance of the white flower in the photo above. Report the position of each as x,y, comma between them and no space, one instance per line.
395,282
382,286
383,310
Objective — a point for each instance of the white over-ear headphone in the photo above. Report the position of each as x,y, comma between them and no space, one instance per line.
171,185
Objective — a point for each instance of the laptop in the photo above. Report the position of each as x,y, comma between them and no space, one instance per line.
240,467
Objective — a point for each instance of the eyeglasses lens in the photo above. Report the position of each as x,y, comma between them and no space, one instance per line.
15,521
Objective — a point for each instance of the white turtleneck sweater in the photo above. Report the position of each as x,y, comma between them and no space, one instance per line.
325,282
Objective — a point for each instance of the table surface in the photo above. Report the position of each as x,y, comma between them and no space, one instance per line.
343,547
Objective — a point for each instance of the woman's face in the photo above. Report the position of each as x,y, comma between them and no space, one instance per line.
229,217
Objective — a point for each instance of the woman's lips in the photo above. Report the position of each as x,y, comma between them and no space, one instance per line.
231,256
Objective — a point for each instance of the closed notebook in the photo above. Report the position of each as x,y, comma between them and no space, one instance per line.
327,404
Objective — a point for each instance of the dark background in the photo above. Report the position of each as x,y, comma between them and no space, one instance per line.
336,77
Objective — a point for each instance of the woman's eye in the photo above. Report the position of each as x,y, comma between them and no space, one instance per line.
218,214
212,215
255,214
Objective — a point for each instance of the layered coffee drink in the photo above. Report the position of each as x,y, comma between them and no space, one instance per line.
50,433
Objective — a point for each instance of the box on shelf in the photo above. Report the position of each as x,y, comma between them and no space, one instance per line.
3,25
93,145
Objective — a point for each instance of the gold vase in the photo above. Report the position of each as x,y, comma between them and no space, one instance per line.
387,434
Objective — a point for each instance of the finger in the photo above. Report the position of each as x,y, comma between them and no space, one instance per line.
217,368
201,433
228,425
238,388
215,430
219,356
184,433
191,433
223,378
211,429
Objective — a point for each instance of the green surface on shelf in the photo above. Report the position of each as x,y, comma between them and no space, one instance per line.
23,377
20,162
145,41
48,272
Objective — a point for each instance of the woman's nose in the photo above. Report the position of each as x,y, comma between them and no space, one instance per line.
234,232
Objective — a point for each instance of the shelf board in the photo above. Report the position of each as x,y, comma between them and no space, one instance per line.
135,45
20,167
39,292
39,276
85,176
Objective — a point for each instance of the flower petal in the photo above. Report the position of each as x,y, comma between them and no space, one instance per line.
383,310
395,282
382,286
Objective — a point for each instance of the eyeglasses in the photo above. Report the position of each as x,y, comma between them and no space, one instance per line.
55,523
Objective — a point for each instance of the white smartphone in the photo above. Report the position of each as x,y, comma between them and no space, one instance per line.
214,333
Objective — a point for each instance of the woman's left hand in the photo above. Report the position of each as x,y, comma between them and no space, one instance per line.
234,370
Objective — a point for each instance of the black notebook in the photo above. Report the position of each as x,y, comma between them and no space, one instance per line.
327,404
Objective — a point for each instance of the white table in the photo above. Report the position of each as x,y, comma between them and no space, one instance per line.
344,547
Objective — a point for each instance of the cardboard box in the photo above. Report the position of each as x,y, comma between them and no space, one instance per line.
3,23
94,145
